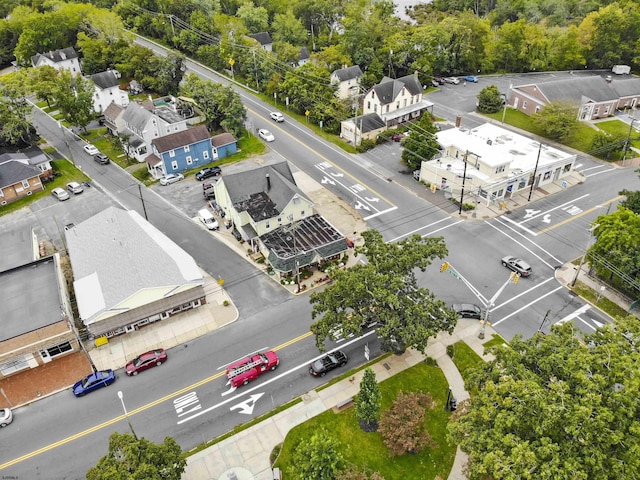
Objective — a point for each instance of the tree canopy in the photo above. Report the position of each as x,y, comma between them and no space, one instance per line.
384,290
556,406
130,458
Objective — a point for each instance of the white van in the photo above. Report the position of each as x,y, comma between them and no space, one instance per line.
206,217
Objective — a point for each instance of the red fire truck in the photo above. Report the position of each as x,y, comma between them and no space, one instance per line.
247,369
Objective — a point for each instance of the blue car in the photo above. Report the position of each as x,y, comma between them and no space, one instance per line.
471,78
93,382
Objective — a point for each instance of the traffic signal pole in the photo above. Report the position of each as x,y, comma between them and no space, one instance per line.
488,304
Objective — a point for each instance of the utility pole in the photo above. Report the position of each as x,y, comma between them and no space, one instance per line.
584,255
66,142
255,69
144,208
535,170
626,144
464,177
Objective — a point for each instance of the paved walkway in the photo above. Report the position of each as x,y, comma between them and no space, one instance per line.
251,449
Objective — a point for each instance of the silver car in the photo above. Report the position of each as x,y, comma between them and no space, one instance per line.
6,417
60,194
171,178
75,188
517,265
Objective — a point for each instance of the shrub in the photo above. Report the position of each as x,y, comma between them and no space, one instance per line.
365,145
450,351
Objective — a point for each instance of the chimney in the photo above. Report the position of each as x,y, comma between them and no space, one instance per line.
268,182
416,73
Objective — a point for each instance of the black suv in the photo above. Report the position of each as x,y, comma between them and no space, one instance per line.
101,158
208,172
320,367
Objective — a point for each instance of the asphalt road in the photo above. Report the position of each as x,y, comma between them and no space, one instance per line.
270,318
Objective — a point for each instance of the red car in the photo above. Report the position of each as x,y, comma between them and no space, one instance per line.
146,360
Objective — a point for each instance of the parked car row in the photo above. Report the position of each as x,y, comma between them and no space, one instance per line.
437,81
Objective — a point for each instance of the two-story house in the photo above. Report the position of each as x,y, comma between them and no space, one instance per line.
107,91
266,208
63,59
264,39
347,81
113,118
181,151
393,101
493,163
143,125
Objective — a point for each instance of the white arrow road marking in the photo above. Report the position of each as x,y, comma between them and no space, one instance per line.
359,205
598,324
246,407
337,174
374,199
531,212
231,389
327,180
546,218
270,380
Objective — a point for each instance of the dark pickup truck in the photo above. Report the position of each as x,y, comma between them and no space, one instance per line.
320,367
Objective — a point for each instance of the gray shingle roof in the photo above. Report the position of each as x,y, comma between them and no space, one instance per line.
626,88
304,53
105,80
136,115
14,171
243,187
116,254
181,139
388,89
222,139
262,37
368,122
113,111
56,55
573,90
348,73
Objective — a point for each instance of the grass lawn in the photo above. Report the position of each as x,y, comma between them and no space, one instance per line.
65,172
621,130
465,359
495,340
368,450
604,303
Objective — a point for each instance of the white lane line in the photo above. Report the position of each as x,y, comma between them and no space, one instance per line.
521,294
531,232
598,173
590,168
271,380
525,307
417,229
528,249
530,241
573,315
587,324
443,228
380,213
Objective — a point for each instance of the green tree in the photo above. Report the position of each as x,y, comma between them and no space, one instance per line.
74,98
489,100
557,120
255,18
556,406
165,74
368,402
287,28
42,82
632,202
318,458
402,427
15,126
384,290
131,458
421,145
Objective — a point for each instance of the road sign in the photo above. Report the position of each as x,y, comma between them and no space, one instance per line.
366,351
453,274
307,113
231,61
564,184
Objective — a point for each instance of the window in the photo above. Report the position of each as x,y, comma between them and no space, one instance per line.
405,102
291,217
375,108
25,183
59,349
189,161
606,110
537,108
397,105
172,153
596,111
524,105
205,154
279,220
500,169
368,105
174,165
387,108
266,224
567,168
186,149
296,201
547,175
301,213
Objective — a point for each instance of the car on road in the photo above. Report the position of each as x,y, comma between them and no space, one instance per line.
471,78
517,265
152,358
208,172
75,188
60,194
266,135
94,381
452,80
101,158
6,417
320,367
171,178
277,117
91,149
468,310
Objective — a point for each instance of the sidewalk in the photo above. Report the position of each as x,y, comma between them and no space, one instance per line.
249,451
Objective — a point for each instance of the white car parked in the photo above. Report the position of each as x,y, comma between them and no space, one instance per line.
266,135
90,149
60,194
6,417
171,178
75,188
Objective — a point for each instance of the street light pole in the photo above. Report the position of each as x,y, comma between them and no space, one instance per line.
126,414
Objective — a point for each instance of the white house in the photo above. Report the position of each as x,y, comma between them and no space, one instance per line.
499,163
107,91
264,39
347,81
63,59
